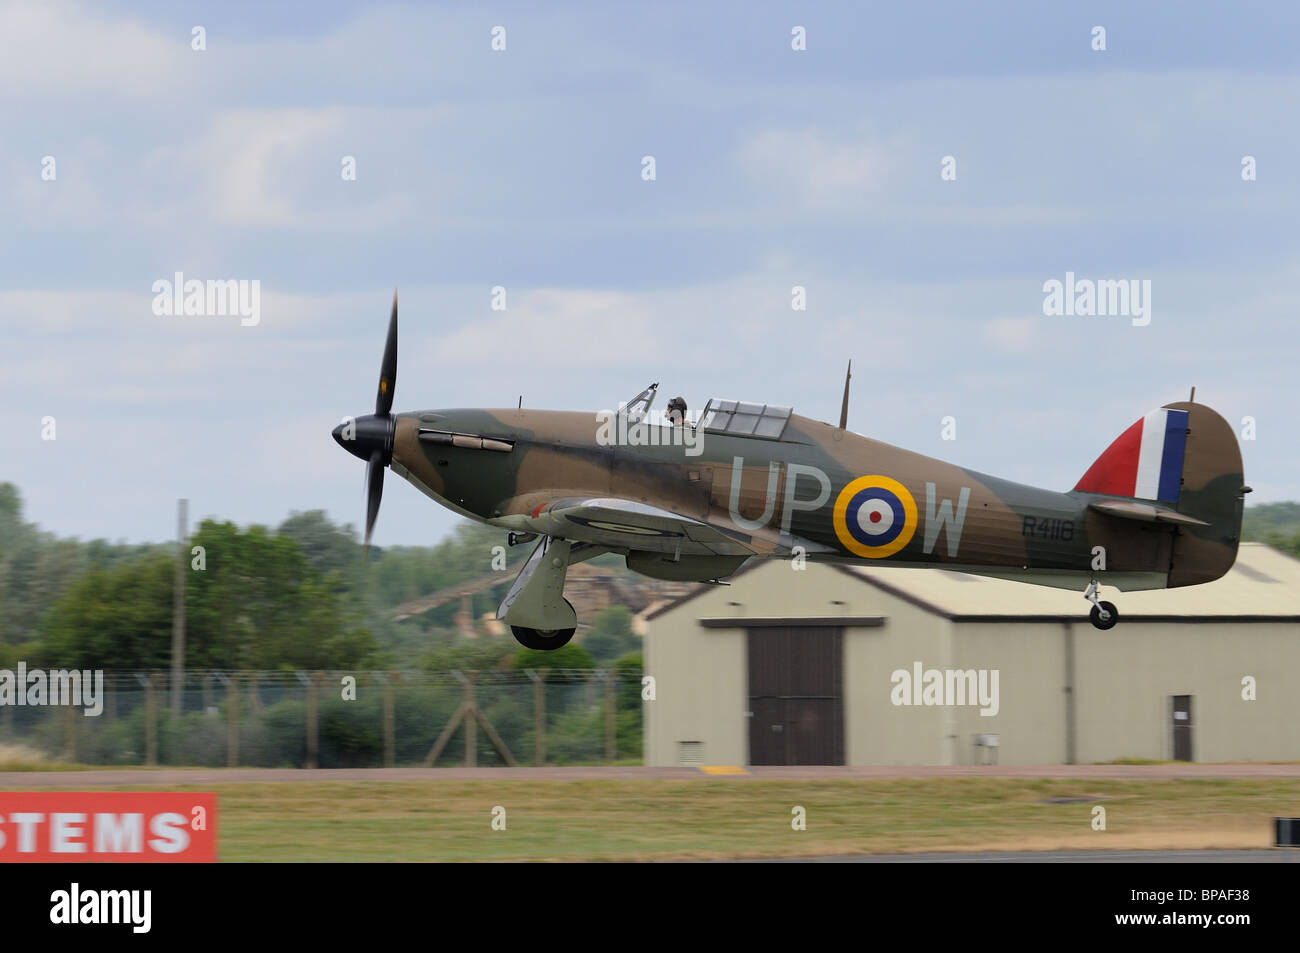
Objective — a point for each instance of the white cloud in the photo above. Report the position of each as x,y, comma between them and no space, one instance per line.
282,167
556,325
71,199
1011,334
55,47
808,165
251,163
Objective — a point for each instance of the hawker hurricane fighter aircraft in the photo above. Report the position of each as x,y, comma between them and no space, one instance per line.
695,498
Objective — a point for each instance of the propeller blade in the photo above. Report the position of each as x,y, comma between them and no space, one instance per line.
388,370
374,492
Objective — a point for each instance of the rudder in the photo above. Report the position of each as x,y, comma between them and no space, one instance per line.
1184,456
1213,490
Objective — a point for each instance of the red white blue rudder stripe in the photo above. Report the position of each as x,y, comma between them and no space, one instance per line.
1145,462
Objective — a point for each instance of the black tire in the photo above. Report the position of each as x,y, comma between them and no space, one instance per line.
546,640
1095,618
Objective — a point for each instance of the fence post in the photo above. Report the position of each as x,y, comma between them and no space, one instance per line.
150,721
539,715
390,732
232,721
70,733
310,682
468,714
611,738
471,739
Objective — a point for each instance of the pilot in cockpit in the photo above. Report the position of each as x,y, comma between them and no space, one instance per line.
677,411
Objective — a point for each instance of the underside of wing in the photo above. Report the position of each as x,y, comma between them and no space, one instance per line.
622,524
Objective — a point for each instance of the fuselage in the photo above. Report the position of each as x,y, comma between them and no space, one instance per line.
833,494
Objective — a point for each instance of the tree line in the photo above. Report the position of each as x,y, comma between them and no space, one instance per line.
294,597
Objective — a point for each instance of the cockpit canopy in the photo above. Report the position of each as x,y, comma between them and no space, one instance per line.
740,419
733,417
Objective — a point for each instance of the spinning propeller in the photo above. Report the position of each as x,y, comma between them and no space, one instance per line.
370,438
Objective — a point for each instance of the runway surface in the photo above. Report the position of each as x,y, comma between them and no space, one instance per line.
167,777
1266,856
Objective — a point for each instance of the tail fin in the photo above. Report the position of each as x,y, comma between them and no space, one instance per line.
1186,456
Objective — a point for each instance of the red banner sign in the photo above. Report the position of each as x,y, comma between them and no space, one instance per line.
46,826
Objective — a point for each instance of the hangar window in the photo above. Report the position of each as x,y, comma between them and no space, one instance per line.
747,420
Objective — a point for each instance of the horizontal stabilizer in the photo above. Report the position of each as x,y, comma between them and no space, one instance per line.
1147,512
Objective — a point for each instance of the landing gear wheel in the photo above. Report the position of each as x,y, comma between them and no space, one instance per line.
1104,615
544,639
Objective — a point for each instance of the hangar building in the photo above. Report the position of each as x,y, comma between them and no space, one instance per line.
872,665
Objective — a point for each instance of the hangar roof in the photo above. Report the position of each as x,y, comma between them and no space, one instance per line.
1262,583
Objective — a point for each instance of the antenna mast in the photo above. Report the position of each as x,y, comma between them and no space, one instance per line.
844,407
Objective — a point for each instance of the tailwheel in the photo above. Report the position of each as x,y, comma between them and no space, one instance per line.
544,639
1104,615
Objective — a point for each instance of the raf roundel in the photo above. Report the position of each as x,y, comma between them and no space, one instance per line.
875,517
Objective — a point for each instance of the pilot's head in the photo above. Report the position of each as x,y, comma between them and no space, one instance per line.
677,410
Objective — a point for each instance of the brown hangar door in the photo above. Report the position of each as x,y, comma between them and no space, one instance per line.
796,704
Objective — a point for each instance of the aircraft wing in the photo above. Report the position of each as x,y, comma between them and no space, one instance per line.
624,524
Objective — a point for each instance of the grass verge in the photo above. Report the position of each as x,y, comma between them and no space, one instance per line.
713,819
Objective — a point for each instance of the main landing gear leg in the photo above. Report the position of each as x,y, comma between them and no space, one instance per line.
535,608
1104,615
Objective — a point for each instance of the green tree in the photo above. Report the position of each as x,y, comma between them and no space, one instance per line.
402,573
259,603
1286,544
37,569
1268,521
24,592
611,634
567,656
119,618
465,655
328,547
628,705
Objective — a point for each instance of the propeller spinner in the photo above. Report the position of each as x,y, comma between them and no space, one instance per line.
370,438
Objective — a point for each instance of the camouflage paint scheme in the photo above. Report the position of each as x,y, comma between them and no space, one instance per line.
674,514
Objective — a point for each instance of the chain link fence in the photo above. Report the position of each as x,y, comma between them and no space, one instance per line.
344,719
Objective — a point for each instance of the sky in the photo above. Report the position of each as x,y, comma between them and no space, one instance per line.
523,168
